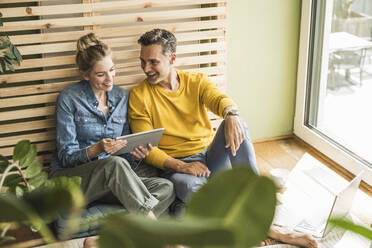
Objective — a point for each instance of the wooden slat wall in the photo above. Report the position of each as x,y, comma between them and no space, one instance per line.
46,36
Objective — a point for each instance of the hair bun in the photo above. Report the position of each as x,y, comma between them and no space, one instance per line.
87,41
89,50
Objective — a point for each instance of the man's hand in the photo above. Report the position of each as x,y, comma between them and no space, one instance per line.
111,146
234,133
197,169
141,152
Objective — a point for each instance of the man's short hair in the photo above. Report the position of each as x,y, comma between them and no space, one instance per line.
161,37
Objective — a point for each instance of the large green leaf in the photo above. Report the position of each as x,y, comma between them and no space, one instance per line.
242,200
4,162
33,169
122,230
17,190
63,182
21,149
38,180
29,157
48,202
12,180
70,183
13,209
348,225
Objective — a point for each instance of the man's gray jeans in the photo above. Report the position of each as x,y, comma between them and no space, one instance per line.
217,158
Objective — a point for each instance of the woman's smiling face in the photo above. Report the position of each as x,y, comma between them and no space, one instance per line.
101,77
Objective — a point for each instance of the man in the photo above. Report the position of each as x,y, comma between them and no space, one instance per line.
178,101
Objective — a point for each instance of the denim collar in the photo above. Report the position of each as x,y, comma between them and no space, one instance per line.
91,97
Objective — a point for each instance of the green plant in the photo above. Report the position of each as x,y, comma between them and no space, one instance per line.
348,225
10,55
234,209
29,197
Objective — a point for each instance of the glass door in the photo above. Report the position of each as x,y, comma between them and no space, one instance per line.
337,91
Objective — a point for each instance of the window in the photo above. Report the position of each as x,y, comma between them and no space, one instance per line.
334,92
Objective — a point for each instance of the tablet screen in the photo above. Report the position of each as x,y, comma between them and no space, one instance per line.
140,139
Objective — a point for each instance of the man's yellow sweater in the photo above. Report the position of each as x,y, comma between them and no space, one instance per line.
183,115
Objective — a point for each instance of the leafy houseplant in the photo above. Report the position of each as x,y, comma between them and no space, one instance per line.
9,54
234,209
27,196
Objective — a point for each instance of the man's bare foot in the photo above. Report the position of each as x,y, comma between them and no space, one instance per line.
292,237
91,242
269,242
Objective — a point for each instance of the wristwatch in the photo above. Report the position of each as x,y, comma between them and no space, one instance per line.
232,112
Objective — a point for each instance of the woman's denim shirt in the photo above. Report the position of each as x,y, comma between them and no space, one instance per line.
81,124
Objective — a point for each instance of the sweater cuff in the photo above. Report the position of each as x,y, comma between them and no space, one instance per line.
157,158
224,103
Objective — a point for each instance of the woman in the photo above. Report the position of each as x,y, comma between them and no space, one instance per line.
90,115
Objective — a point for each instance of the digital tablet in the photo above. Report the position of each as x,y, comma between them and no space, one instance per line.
140,139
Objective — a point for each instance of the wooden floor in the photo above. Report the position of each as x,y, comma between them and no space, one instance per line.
285,153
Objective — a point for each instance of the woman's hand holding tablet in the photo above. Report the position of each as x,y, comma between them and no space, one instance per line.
143,139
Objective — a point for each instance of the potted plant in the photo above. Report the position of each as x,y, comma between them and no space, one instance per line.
234,209
28,197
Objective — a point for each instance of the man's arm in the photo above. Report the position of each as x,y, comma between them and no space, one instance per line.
223,106
234,132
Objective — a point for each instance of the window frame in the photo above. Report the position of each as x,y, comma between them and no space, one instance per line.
308,134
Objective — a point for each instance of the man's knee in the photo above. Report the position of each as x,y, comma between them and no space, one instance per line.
186,184
166,185
168,190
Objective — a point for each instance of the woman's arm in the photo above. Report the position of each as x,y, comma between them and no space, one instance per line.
69,152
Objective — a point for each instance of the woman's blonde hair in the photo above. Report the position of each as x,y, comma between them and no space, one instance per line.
90,50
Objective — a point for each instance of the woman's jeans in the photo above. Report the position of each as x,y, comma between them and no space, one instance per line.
135,190
217,158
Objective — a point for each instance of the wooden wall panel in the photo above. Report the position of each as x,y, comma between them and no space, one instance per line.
46,36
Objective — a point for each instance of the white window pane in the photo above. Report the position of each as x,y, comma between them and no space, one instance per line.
341,84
